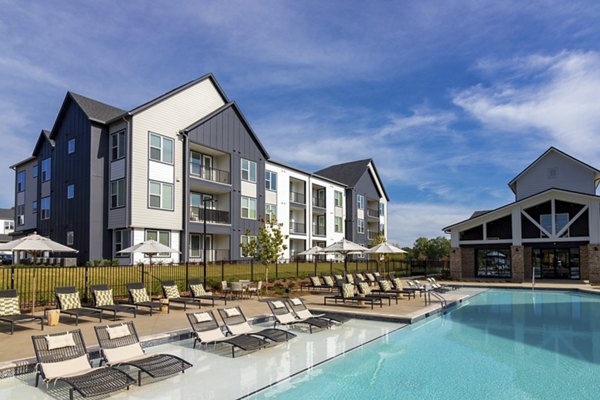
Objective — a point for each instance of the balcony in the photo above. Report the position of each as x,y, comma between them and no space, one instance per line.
296,197
373,212
297,228
319,230
210,174
319,202
212,216
212,255
372,234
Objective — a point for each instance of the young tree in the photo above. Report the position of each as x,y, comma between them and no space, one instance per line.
268,246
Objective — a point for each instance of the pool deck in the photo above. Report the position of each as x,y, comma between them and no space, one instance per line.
17,350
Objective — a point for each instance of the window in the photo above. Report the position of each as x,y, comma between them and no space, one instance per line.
245,240
163,237
46,169
338,224
271,180
9,225
21,215
493,263
70,238
35,171
381,209
360,200
20,181
248,170
117,193
197,250
70,191
360,226
161,195
34,206
118,145
339,200
121,241
248,208
562,219
197,206
45,208
71,146
271,212
161,148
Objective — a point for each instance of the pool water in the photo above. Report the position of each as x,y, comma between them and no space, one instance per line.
501,344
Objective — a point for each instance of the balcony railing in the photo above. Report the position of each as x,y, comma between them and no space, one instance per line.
373,212
210,174
372,234
196,255
319,231
296,227
296,197
318,202
213,216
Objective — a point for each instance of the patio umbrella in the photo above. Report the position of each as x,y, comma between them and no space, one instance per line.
345,247
35,245
313,251
385,248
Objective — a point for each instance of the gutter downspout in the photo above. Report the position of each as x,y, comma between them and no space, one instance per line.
129,181
184,198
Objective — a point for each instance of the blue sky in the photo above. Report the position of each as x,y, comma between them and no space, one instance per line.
450,98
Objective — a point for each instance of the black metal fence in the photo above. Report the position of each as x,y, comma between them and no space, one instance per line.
44,279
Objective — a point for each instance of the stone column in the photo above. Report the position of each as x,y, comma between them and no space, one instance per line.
455,263
468,263
594,263
517,254
584,262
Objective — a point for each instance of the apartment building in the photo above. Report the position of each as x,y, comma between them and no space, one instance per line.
104,178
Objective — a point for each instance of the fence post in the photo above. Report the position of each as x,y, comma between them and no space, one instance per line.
12,276
356,265
330,267
87,283
315,258
426,262
276,270
222,270
143,272
297,269
187,275
252,269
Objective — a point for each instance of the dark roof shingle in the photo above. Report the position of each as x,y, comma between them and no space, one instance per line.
7,213
348,173
95,110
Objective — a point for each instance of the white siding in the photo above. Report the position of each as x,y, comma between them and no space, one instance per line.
160,172
248,189
271,197
166,118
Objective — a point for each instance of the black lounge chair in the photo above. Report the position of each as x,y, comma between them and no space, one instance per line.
206,330
138,295
67,298
120,346
198,292
10,311
284,316
237,324
102,299
386,287
438,287
347,294
63,357
171,292
328,281
365,290
314,283
397,285
299,308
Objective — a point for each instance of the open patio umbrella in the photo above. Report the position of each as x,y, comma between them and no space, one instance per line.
345,247
35,245
384,248
313,251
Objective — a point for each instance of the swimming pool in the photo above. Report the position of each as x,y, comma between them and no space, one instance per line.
501,344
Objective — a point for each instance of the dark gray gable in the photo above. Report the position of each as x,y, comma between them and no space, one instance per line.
7,213
95,110
348,173
44,136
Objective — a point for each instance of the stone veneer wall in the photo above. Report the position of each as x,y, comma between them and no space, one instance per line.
528,262
594,263
455,263
584,262
468,263
517,255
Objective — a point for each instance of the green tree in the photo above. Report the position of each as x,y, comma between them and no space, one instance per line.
431,249
268,246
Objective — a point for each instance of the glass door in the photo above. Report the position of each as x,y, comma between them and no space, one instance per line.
207,168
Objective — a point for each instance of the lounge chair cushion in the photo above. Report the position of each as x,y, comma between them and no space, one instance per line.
360,276
370,277
278,304
239,329
75,366
198,290
104,298
139,295
232,312
69,301
364,288
202,317
304,314
60,341
386,286
328,280
295,301
171,292
398,283
286,318
348,290
9,306
115,332
119,354
314,280
211,335
350,278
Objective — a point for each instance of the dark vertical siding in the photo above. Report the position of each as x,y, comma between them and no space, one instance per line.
99,235
227,133
366,187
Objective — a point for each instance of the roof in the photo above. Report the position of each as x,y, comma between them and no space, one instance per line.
478,214
95,110
44,135
236,109
282,164
513,182
7,213
350,173
180,89
5,238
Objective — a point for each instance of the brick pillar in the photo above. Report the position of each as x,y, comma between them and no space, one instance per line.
528,262
594,263
468,263
455,263
517,254
584,262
